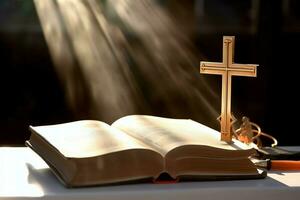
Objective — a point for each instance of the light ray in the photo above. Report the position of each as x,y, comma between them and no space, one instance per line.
124,57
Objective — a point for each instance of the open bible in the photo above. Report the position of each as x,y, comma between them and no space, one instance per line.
138,147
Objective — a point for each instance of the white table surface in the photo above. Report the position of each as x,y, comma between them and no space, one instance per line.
24,175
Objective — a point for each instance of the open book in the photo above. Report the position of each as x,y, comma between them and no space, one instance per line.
136,147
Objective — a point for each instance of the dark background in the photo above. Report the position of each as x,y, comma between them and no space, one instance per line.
267,33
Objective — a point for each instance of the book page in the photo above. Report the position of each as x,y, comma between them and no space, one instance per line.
165,134
87,138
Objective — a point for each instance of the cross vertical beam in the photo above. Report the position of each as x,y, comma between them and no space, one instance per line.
227,68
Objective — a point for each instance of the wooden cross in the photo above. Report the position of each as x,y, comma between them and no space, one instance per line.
227,69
